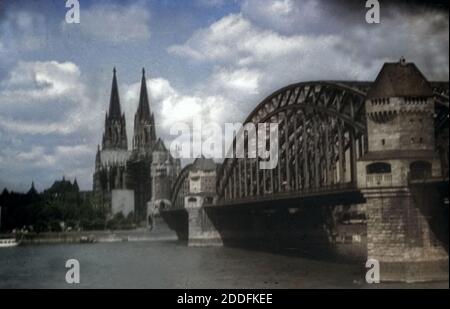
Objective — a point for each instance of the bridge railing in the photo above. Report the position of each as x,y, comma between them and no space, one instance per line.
382,180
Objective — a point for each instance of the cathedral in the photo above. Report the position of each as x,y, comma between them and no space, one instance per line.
123,176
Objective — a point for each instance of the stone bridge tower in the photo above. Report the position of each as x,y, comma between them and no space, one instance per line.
401,148
201,192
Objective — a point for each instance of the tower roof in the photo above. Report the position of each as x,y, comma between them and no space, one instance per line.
204,164
114,102
98,151
159,146
32,190
400,79
143,111
75,185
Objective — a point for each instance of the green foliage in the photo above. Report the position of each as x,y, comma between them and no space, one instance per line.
119,222
48,211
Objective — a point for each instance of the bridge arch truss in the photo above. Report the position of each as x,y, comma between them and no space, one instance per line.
322,133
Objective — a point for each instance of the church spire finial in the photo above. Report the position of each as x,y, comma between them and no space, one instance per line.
114,103
143,112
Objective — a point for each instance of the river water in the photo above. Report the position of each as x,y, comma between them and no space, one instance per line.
173,265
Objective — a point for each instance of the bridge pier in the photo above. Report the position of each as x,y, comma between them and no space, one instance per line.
400,235
201,230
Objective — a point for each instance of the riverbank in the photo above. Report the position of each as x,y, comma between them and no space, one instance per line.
138,235
160,232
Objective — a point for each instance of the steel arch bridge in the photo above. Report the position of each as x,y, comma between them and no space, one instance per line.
322,134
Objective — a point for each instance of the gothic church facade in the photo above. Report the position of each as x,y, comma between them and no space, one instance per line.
119,168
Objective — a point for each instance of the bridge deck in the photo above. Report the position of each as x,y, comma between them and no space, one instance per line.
332,195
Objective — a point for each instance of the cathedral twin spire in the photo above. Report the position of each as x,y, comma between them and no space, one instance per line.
114,102
143,111
144,123
115,136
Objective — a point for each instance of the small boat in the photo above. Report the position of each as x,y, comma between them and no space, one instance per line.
87,239
8,242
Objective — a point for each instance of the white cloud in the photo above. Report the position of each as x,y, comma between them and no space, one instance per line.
48,163
252,62
114,23
171,106
22,31
284,42
235,40
48,124
39,80
273,43
286,16
419,33
45,97
242,81
25,127
35,157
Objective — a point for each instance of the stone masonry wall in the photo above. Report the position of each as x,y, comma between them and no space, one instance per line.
400,238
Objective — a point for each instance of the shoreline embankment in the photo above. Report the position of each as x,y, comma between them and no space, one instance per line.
138,235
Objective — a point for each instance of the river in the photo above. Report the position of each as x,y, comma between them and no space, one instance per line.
173,265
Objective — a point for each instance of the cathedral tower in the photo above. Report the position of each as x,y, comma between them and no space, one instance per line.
144,124
110,161
144,138
122,174
115,136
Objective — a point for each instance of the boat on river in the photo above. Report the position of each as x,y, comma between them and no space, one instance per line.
8,242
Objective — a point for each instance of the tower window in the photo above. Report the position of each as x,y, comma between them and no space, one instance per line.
378,168
383,142
420,169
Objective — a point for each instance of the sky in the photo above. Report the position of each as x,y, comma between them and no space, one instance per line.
216,58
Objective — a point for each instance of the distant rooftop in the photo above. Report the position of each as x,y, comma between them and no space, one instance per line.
204,164
400,79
